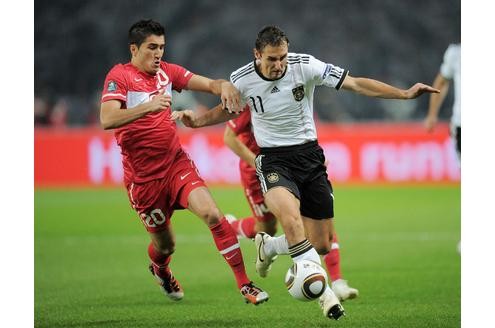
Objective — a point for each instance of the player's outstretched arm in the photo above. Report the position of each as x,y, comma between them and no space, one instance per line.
228,93
375,88
436,100
238,147
214,116
112,115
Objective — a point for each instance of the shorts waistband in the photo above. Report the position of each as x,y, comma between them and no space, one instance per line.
289,149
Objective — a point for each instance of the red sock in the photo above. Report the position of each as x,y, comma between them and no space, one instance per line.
228,245
332,260
245,227
159,262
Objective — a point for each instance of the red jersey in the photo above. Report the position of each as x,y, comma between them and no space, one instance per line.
242,127
150,144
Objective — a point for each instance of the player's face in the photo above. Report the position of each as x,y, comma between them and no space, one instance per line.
272,60
147,57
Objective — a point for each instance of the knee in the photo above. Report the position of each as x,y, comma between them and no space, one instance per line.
165,249
211,215
322,248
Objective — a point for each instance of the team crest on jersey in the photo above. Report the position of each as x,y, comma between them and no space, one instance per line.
272,177
162,78
112,86
298,93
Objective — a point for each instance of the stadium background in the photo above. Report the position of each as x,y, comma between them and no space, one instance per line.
409,214
399,42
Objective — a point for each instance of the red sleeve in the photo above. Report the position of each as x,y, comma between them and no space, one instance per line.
242,123
115,87
179,76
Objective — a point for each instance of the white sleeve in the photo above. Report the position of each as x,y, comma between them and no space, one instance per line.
237,84
326,74
448,65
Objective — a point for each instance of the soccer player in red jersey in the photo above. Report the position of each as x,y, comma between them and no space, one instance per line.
239,137
158,174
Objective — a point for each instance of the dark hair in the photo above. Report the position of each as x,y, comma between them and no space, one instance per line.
141,30
270,35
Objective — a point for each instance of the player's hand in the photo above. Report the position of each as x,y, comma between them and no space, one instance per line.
418,89
430,123
231,98
187,117
160,101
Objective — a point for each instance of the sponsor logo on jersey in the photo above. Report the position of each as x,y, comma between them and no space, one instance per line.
112,86
272,177
275,89
298,93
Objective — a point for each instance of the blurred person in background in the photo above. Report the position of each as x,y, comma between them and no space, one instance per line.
59,113
158,174
278,88
450,70
41,112
239,137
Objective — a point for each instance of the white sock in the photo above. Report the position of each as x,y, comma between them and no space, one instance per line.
304,251
276,246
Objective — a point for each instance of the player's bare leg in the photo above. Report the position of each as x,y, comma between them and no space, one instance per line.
285,206
202,204
322,235
318,232
160,251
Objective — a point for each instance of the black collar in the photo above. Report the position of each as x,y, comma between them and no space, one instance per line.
265,78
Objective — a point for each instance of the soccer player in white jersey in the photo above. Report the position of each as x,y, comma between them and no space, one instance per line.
239,137
449,70
278,88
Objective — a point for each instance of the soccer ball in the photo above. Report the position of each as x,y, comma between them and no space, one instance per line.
306,280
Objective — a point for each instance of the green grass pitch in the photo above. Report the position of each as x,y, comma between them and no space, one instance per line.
398,247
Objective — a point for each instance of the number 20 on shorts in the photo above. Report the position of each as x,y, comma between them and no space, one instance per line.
154,218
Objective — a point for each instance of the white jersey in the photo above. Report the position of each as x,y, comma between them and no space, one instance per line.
451,69
282,109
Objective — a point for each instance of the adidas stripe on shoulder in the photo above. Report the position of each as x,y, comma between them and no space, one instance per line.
293,58
241,72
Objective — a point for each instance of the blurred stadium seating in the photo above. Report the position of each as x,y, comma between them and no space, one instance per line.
399,42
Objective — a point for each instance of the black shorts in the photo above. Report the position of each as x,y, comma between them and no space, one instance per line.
301,169
456,135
